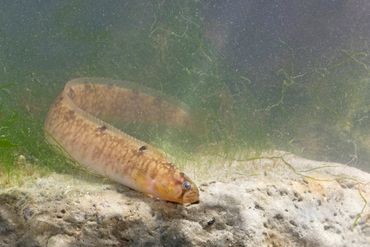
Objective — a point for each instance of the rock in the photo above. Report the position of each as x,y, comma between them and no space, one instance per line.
283,200
60,241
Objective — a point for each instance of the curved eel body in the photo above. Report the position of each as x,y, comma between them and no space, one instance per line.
77,124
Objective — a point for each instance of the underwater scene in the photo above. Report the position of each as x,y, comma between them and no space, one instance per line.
185,123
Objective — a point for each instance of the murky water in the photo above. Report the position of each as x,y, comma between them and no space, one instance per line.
288,75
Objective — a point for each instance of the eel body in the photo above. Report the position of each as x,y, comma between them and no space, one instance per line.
77,123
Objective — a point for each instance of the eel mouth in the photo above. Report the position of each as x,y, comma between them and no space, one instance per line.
191,197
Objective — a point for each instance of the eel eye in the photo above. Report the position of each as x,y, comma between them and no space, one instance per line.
186,185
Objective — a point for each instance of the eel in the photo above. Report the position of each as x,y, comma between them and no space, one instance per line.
77,123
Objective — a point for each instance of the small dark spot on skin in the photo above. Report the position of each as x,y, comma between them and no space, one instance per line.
143,148
102,128
63,211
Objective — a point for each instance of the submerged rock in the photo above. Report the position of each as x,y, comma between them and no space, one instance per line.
278,200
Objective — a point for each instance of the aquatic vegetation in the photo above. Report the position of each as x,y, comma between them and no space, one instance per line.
22,135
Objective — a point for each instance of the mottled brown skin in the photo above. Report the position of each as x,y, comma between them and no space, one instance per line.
76,123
